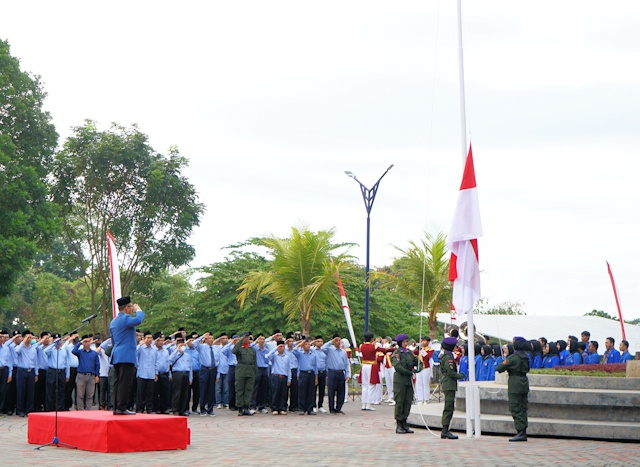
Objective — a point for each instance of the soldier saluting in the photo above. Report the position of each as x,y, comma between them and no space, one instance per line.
517,365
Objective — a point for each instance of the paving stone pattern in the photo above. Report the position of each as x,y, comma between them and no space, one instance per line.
357,438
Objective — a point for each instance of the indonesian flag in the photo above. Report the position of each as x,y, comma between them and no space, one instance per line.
463,243
616,295
115,273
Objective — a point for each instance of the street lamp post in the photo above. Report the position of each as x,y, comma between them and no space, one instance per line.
368,196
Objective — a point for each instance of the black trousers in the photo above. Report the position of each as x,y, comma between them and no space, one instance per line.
103,388
336,379
40,394
278,393
4,389
231,375
207,389
322,386
144,389
55,392
180,394
293,390
124,374
194,389
25,389
306,391
10,404
69,387
161,393
260,389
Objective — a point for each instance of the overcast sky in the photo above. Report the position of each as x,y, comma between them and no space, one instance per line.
272,101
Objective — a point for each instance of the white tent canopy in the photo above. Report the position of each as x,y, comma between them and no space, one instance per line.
505,327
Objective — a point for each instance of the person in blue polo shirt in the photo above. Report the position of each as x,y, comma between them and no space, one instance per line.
592,356
6,369
58,373
625,356
26,356
123,355
611,355
88,372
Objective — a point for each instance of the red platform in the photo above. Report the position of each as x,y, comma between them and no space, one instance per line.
101,431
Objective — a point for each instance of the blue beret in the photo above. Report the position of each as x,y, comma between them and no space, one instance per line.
401,337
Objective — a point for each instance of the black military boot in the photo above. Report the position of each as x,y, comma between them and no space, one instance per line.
246,411
406,427
240,412
400,427
446,434
521,436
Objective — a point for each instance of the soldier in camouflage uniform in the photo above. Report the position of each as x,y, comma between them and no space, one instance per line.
449,382
404,363
518,388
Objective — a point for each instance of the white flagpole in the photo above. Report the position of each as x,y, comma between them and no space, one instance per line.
472,396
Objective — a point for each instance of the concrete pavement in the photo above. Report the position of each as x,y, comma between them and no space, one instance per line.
356,438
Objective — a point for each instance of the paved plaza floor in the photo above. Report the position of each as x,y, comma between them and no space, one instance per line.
358,438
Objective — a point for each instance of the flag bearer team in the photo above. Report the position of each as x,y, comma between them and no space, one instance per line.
186,374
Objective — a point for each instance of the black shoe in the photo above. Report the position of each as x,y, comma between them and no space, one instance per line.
332,412
240,412
406,427
246,411
400,428
446,434
311,413
521,436
340,412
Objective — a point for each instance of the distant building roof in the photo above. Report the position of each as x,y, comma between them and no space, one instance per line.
505,327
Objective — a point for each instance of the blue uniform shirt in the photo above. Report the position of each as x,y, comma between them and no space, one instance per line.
223,368
261,355
58,358
591,358
6,357
280,363
194,357
42,358
613,356
147,362
306,361
26,357
336,358
181,361
162,359
206,351
321,359
88,361
292,358
625,357
123,337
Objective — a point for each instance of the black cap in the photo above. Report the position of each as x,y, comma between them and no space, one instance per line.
157,335
124,301
25,332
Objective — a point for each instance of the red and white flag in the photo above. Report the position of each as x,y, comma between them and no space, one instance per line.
347,312
466,228
615,294
115,273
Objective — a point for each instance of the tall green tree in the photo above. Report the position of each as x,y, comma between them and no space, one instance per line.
115,180
421,275
217,308
301,275
27,143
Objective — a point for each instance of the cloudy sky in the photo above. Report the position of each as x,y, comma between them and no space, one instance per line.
273,101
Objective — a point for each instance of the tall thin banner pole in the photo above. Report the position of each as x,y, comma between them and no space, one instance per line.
615,294
114,267
347,312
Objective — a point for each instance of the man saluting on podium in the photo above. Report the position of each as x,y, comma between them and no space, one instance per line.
123,355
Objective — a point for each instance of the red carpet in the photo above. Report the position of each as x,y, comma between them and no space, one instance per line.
101,431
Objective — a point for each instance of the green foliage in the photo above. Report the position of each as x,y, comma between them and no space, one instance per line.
27,143
602,314
217,305
505,308
421,275
302,274
168,300
616,370
114,180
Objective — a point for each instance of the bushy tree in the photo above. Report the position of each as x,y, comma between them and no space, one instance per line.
114,180
27,142
302,274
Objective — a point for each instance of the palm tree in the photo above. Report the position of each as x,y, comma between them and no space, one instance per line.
301,275
421,275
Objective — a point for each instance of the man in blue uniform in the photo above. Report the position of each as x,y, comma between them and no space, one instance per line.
625,356
338,371
6,369
611,355
123,355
